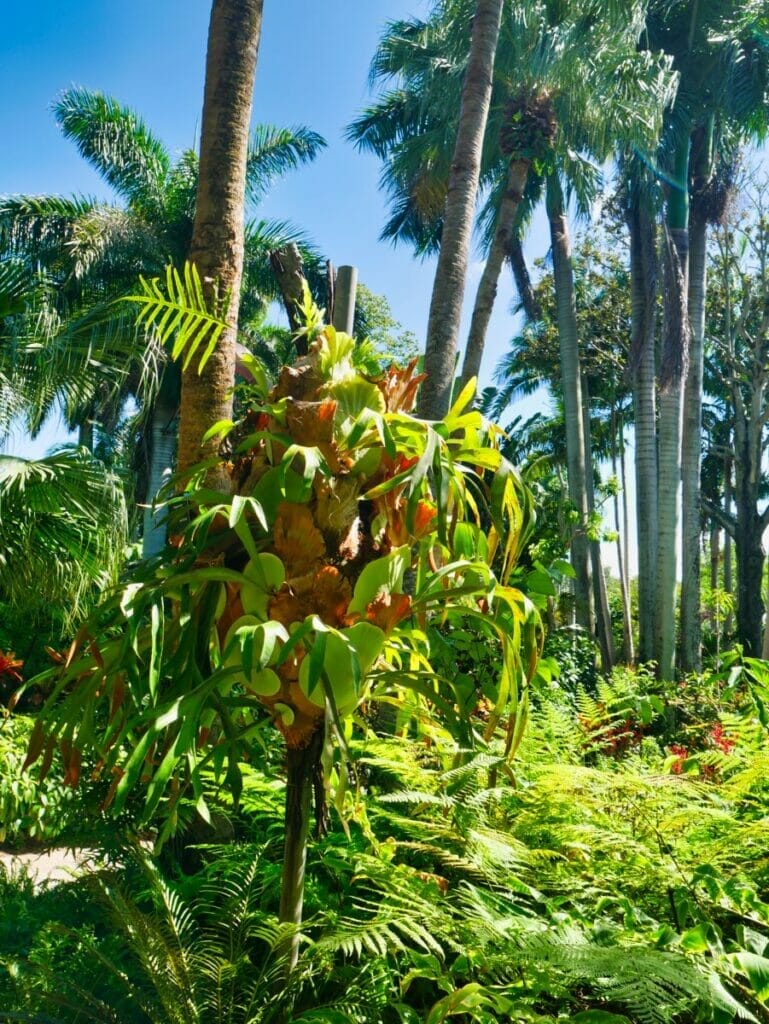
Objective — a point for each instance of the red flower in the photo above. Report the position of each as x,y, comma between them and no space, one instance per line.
719,739
9,666
681,755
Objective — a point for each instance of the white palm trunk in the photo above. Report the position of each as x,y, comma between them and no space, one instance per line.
571,379
643,276
691,445
163,425
669,452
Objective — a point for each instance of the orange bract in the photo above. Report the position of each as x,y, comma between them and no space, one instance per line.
297,540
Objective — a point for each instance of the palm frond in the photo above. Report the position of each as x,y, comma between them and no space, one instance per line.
116,142
63,528
274,151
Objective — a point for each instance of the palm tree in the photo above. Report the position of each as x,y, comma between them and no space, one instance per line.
581,90
63,529
217,244
93,252
720,52
459,212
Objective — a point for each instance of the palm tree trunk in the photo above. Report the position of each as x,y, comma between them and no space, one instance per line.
85,433
162,451
627,625
522,278
600,597
690,452
728,573
217,247
571,378
487,289
643,283
626,600
672,375
450,275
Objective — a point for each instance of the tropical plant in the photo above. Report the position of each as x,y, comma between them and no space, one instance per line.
283,596
63,530
581,77
720,54
86,354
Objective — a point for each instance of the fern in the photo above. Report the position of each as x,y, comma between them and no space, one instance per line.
180,315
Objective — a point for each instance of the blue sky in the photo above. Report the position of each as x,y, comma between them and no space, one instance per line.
313,68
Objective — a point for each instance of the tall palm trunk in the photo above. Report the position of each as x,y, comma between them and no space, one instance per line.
600,597
450,275
487,288
571,378
672,375
620,521
161,465
217,247
728,568
643,283
691,515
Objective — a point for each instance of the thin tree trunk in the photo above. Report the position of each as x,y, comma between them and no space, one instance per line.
522,278
451,273
517,174
571,377
299,772
728,570
626,601
715,556
643,283
600,597
217,235
162,451
627,625
691,516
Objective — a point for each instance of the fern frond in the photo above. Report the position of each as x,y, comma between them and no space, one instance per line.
180,315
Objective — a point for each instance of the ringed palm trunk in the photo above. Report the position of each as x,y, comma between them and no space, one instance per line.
672,375
600,597
620,522
162,452
451,273
690,452
517,174
571,379
643,283
217,246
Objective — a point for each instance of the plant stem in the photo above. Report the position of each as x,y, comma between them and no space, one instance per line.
300,765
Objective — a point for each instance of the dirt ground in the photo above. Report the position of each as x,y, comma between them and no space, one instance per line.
55,865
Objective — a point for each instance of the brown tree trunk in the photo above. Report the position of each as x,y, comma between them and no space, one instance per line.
217,235
517,174
450,275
